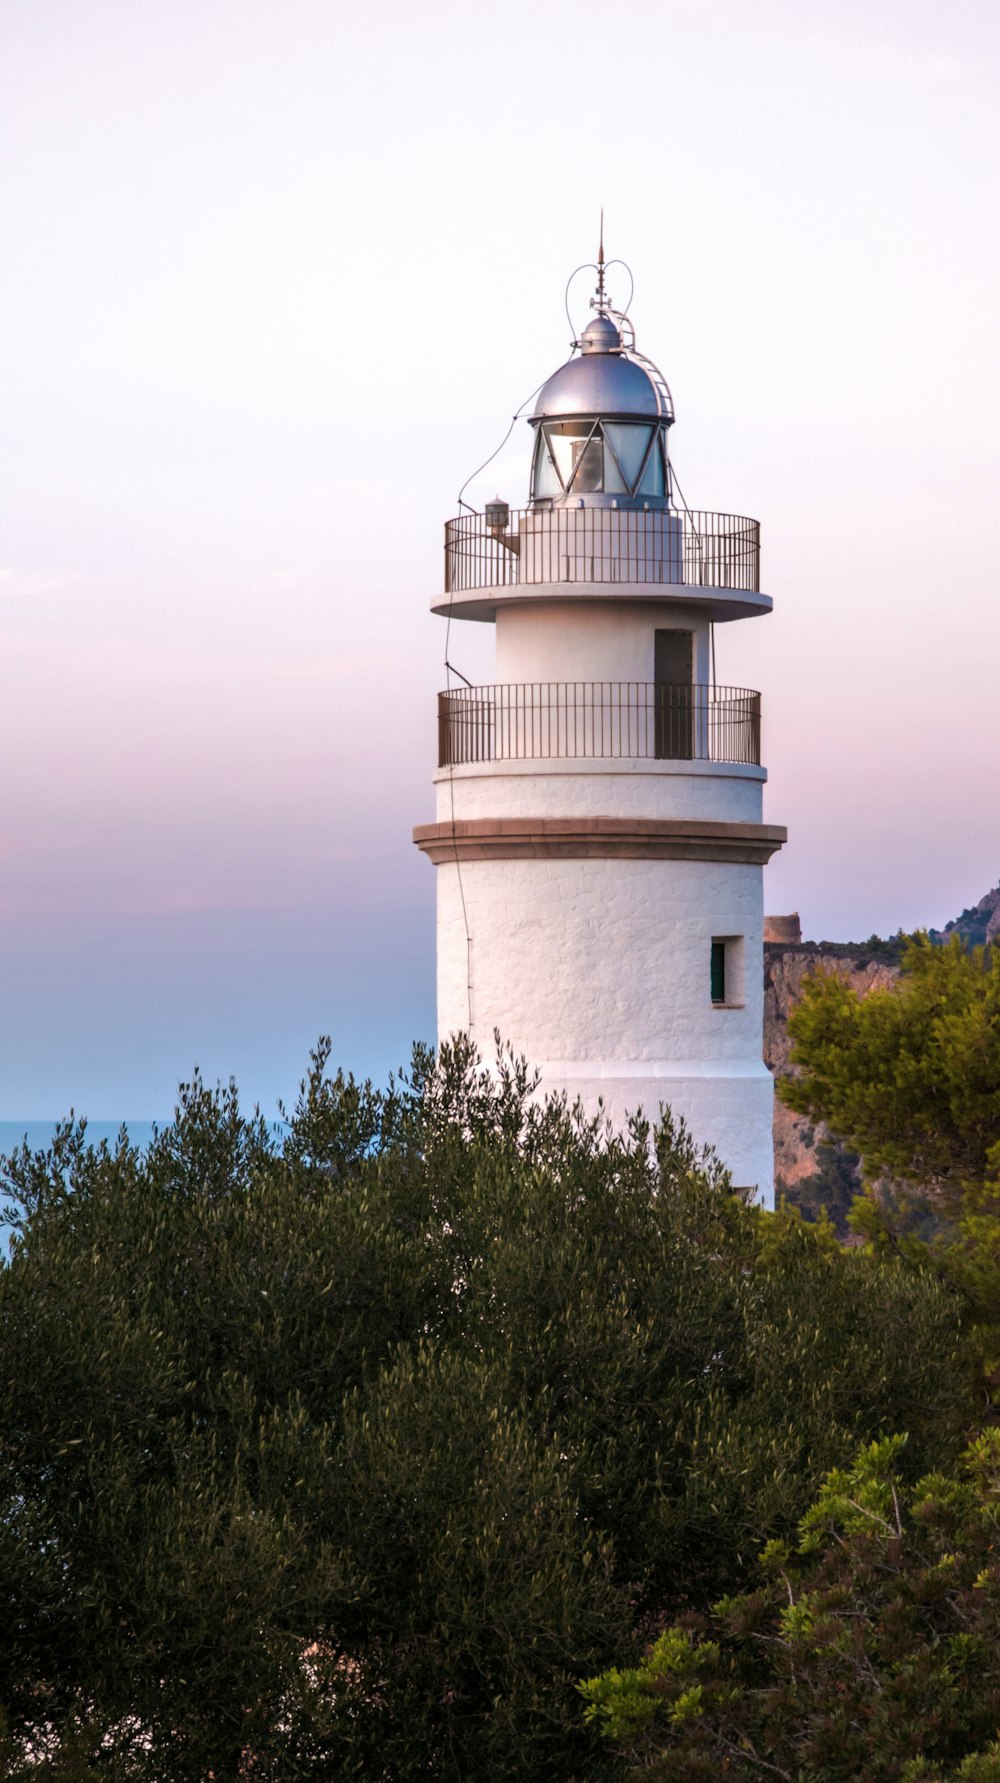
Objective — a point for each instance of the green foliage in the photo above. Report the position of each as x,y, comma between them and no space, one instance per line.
348,1450
884,950
910,1077
871,1651
833,1187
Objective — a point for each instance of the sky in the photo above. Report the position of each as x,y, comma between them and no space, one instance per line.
277,274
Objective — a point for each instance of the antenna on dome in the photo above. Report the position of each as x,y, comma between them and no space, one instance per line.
602,302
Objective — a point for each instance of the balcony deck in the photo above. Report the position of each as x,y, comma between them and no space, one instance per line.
586,551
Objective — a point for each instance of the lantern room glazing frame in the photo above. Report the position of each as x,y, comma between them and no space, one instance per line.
551,486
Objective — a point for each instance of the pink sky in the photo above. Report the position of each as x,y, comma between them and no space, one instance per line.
276,277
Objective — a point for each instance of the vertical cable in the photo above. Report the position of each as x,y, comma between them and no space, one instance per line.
448,673
454,826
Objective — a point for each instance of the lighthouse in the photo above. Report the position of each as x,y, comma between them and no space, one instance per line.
599,844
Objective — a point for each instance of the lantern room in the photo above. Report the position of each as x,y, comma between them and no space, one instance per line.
605,515
601,427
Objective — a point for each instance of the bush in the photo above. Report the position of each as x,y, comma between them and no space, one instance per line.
872,1650
356,1445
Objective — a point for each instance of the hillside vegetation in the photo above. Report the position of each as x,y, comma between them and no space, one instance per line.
814,1169
870,1645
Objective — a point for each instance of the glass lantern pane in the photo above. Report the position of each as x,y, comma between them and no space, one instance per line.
588,460
630,444
614,483
652,476
561,441
545,479
581,458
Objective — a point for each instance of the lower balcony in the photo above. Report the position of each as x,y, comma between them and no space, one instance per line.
599,720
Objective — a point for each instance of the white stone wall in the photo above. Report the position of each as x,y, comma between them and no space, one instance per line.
624,788
597,642
598,970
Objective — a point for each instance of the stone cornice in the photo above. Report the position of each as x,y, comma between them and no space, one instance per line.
599,838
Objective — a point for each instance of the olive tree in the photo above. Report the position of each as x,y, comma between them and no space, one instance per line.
355,1443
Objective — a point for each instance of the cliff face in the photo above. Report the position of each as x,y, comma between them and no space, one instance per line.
808,1165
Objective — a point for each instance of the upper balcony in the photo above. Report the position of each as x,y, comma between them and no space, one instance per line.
506,556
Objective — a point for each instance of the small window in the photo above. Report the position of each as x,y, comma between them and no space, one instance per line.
718,971
726,971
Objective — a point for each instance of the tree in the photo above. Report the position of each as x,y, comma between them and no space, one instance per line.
833,1187
353,1446
871,1649
910,1078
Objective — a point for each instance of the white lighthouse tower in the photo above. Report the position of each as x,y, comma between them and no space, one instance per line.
599,844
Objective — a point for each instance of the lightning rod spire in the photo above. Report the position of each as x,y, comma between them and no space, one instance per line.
601,298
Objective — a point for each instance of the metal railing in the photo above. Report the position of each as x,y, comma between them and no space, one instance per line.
602,545
571,719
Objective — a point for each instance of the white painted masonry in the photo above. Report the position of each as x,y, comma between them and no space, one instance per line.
578,641
578,894
621,788
598,970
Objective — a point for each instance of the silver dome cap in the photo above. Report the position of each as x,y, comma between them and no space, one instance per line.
599,383
610,377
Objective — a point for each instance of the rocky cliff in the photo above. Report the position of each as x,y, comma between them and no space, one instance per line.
977,925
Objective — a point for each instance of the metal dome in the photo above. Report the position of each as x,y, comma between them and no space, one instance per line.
599,383
600,336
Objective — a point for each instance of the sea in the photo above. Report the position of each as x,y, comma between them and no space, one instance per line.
39,1133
